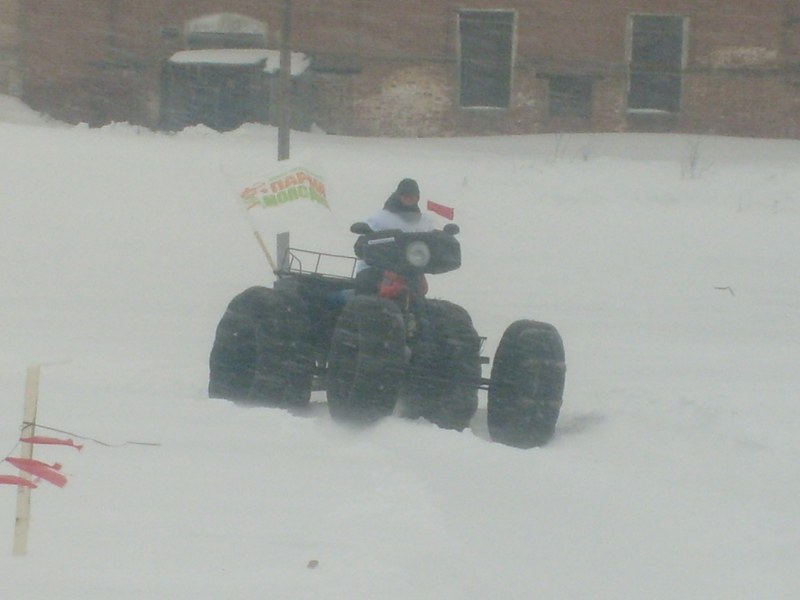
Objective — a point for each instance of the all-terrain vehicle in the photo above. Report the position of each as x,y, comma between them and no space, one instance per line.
377,345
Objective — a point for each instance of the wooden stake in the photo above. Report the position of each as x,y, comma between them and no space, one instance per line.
265,250
26,451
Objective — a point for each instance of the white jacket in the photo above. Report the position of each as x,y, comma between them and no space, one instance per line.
406,221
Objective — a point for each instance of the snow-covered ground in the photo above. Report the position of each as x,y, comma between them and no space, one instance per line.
669,264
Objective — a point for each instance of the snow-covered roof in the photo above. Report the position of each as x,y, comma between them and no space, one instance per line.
226,23
271,59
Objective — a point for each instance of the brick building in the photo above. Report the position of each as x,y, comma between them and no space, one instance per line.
10,76
414,67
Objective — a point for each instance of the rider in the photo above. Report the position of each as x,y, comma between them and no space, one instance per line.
400,211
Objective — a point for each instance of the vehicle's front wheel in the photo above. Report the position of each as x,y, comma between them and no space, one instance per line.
527,385
445,368
366,361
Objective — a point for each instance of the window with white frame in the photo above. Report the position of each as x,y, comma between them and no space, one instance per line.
486,47
656,62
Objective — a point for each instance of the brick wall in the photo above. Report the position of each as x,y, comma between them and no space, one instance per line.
10,80
742,104
390,67
414,98
735,84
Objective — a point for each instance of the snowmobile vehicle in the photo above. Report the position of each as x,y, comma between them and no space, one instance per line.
384,348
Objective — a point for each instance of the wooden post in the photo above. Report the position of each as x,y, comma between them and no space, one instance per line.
285,83
26,451
265,250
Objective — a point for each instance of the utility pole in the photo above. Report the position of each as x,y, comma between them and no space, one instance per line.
284,83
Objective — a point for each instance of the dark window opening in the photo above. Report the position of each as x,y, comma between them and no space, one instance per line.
656,63
222,97
487,40
570,96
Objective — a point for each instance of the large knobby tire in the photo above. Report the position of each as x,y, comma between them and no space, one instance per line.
527,385
233,355
261,353
445,370
366,361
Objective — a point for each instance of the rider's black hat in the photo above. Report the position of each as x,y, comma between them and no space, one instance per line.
408,187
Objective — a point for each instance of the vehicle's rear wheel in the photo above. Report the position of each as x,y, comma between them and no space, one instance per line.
445,370
261,353
527,385
366,361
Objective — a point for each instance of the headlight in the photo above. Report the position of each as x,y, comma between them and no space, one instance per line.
418,254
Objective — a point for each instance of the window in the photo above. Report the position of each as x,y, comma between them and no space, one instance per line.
656,62
486,40
570,96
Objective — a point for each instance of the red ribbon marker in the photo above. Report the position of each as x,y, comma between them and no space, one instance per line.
51,441
39,469
15,480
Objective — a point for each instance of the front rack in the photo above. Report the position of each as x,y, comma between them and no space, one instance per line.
297,261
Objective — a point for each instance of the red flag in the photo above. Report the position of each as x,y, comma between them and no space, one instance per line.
39,469
14,480
441,210
51,441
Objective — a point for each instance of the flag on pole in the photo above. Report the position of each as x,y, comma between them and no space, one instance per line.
296,184
293,199
440,209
